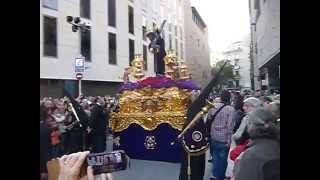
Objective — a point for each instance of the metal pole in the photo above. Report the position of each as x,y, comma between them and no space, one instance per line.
79,87
189,167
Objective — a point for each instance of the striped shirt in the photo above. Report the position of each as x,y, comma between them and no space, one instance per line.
223,124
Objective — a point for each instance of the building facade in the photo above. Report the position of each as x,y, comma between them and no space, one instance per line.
265,44
239,54
117,34
197,47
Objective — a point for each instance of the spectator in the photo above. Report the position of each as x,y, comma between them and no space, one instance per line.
249,104
261,161
220,135
274,107
45,150
98,125
239,113
237,118
266,101
56,142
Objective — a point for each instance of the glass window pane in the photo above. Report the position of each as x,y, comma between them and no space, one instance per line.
177,49
145,57
131,20
51,4
112,48
86,45
181,49
85,8
131,50
112,13
170,42
50,36
144,27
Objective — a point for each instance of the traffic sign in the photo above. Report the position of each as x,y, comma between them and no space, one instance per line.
79,76
79,65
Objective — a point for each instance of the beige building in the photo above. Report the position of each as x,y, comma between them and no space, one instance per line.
265,43
117,28
197,48
239,54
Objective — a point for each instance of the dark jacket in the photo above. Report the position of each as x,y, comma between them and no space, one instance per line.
261,161
237,118
99,120
45,147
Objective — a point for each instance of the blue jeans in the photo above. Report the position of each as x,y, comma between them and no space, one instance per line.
219,152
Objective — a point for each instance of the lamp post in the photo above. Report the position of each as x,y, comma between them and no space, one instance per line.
78,24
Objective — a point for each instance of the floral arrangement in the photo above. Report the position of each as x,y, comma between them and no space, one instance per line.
158,82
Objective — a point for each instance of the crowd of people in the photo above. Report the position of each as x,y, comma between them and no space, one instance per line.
61,133
245,136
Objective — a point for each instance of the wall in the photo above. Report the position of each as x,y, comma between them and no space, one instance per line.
99,69
268,31
197,54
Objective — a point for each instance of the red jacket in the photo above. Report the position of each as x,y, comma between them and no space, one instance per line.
234,154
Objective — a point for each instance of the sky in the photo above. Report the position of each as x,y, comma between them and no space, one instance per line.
227,21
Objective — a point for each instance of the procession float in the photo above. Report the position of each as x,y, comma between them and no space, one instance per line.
152,110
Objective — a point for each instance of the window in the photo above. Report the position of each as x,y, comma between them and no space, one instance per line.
237,73
177,49
169,26
170,41
176,30
131,20
112,48
86,45
257,7
112,13
145,57
144,27
51,4
85,9
49,36
181,50
180,29
131,50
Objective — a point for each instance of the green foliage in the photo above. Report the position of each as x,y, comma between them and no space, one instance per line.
226,74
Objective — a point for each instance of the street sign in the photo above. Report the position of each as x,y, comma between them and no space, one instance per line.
79,76
79,65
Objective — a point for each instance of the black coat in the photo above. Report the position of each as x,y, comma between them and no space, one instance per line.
45,147
98,120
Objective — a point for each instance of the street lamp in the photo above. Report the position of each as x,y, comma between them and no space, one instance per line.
78,24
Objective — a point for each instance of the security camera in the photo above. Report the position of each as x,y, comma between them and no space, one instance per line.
77,20
69,19
75,28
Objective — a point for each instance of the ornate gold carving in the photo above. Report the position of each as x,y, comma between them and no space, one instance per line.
183,71
171,68
149,108
137,66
